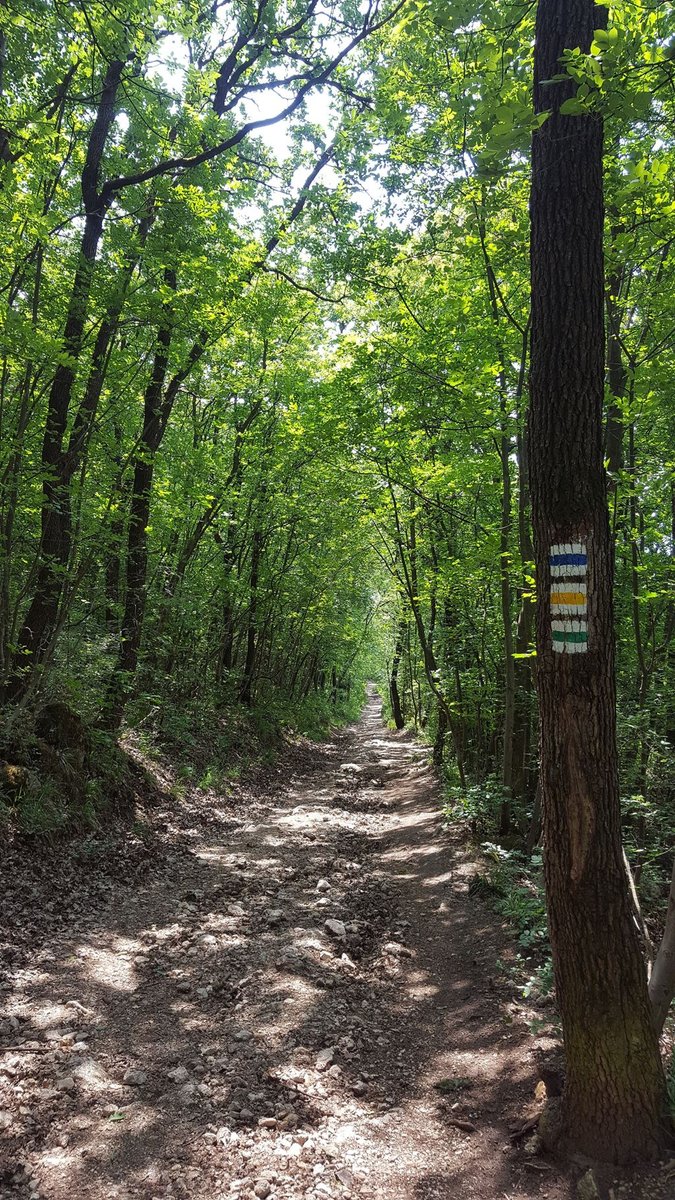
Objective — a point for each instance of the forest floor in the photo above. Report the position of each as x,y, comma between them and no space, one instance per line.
283,992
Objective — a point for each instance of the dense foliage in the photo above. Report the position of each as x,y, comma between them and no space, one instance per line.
263,394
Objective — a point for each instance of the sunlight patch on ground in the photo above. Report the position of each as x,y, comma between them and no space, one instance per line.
64,1164
94,1077
54,1016
110,965
58,1159
304,818
411,820
425,991
439,880
223,926
212,854
165,932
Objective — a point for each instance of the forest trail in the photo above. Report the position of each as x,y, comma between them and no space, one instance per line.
209,1033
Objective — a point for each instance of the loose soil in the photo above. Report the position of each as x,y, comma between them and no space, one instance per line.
286,991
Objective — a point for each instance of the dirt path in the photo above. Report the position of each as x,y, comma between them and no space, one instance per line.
272,1011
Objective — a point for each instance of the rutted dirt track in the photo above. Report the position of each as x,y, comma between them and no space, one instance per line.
271,1012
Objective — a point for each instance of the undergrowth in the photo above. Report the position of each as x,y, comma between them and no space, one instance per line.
52,785
211,744
513,885
65,775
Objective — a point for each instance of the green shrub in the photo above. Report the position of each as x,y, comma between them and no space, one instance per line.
479,802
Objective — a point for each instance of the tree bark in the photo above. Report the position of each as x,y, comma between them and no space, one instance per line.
505,593
395,696
613,1107
42,615
504,448
662,979
246,689
226,656
616,379
155,417
524,777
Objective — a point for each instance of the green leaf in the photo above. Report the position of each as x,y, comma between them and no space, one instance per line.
572,107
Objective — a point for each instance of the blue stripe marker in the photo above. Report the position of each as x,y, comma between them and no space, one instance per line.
567,560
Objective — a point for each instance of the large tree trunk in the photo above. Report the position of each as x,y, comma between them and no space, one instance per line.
613,1106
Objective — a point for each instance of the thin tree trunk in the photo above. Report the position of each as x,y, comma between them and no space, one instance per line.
616,379
10,484
139,519
439,740
226,656
396,708
644,670
662,979
506,522
407,556
505,593
246,689
525,666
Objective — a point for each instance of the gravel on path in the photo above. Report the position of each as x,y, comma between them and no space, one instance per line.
297,998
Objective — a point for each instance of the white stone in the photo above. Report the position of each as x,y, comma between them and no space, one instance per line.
324,1058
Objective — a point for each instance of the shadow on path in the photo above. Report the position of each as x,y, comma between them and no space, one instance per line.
299,1006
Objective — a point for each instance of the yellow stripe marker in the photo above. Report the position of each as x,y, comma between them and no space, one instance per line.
567,598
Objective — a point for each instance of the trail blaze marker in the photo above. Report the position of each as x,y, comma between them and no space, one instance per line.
569,625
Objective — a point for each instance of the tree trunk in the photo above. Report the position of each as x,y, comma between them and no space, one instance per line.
41,617
406,547
613,1107
226,655
662,980
505,593
523,782
439,740
157,408
10,485
396,707
154,423
504,448
246,689
616,379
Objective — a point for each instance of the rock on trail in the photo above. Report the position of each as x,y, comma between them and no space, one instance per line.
269,1009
